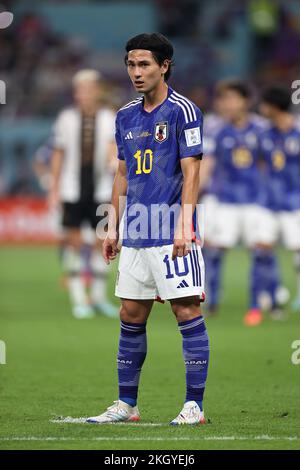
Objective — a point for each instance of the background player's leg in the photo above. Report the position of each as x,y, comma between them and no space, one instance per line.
296,304
195,346
100,271
265,273
261,234
290,230
225,236
132,347
72,263
213,258
265,277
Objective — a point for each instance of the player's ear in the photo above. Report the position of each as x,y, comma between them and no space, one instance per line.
166,64
164,67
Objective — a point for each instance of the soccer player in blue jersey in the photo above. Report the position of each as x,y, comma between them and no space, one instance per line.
213,255
237,186
280,148
159,138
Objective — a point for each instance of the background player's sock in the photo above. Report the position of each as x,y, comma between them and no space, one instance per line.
131,356
296,303
99,278
265,276
297,266
196,357
71,261
213,258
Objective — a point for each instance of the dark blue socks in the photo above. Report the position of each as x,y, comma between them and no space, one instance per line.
265,276
196,357
131,356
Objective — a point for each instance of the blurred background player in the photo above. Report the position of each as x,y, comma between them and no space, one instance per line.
213,123
42,167
82,163
280,149
237,186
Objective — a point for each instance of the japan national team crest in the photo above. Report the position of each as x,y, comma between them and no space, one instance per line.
161,131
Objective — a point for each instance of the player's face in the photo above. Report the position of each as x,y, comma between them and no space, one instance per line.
231,105
143,70
218,106
266,110
87,94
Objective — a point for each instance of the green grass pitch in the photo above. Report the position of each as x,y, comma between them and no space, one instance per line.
59,366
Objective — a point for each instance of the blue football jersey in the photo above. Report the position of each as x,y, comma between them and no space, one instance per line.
152,145
281,153
212,126
237,178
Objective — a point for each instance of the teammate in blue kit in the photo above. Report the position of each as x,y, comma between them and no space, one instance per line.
213,255
280,149
237,186
159,138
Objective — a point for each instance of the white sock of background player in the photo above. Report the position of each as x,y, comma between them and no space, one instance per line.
99,278
72,264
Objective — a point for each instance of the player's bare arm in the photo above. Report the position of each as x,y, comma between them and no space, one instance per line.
110,245
56,165
190,189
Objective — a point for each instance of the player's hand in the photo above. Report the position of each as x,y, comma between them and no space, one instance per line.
181,247
110,248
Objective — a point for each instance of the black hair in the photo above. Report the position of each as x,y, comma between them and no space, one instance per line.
277,96
238,86
157,43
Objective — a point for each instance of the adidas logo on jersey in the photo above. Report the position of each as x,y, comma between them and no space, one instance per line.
182,284
129,136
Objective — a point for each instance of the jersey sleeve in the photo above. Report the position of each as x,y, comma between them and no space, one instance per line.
58,132
190,133
118,138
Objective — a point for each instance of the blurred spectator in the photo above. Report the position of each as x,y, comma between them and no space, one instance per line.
40,65
178,17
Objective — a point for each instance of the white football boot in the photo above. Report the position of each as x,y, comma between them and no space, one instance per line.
83,311
118,412
190,414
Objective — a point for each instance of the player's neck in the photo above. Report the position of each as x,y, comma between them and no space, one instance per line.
155,97
89,111
241,121
284,121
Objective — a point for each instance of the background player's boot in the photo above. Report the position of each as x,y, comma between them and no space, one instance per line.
190,414
278,314
118,412
83,311
107,309
253,317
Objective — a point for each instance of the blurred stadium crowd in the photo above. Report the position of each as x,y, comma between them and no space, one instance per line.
38,59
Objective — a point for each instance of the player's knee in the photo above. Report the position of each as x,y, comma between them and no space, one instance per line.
186,312
131,315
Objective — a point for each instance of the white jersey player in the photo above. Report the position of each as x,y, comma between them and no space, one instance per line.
81,180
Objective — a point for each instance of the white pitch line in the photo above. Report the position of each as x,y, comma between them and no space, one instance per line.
70,420
163,439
